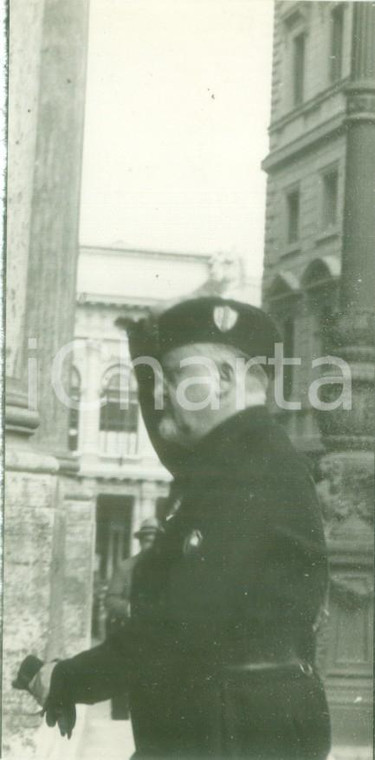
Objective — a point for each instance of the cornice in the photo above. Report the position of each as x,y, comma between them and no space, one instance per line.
309,105
97,250
294,12
136,479
113,302
361,103
308,140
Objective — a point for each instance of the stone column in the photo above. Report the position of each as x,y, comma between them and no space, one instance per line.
53,235
358,281
48,43
347,486
25,35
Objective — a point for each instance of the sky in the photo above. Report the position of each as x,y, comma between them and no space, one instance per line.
178,105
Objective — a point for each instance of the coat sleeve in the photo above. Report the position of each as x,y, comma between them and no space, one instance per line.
92,676
105,671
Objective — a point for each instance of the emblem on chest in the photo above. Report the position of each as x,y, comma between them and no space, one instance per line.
192,542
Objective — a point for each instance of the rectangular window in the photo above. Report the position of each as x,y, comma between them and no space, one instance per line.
298,68
329,200
293,214
115,419
337,43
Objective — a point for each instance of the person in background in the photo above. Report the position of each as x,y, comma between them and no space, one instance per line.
118,594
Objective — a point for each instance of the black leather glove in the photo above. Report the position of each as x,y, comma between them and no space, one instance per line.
59,707
48,684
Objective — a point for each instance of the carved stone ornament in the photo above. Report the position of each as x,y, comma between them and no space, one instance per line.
351,593
353,341
347,491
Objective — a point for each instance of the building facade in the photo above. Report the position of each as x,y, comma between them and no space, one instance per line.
319,284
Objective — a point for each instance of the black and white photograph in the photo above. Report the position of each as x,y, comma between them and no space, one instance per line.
189,379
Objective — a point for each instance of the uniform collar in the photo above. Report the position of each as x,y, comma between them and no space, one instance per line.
222,437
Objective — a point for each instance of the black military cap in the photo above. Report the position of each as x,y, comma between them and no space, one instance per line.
219,320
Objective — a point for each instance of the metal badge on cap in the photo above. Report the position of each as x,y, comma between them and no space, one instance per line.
225,318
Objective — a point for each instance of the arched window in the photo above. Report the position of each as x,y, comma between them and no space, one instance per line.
319,285
282,303
75,395
119,413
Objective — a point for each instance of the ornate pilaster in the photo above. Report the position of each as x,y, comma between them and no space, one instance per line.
347,468
348,434
353,334
358,282
363,50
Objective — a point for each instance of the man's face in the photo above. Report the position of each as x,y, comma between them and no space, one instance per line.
191,395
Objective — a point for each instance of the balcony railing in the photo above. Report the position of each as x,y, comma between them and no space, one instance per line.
118,444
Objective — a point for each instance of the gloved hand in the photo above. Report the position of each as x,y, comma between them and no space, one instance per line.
59,707
49,688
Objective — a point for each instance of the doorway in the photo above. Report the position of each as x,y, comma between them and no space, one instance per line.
114,517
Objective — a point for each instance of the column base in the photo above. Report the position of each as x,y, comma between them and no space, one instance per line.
20,420
49,547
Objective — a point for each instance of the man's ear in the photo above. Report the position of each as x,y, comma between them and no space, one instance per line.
226,375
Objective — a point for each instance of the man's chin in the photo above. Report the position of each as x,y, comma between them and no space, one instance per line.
169,431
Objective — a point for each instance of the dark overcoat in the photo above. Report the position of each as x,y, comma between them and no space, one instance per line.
219,652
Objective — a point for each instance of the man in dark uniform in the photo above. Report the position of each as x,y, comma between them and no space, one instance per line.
219,653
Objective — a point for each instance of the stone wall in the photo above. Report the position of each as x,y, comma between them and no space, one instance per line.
305,171
34,523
